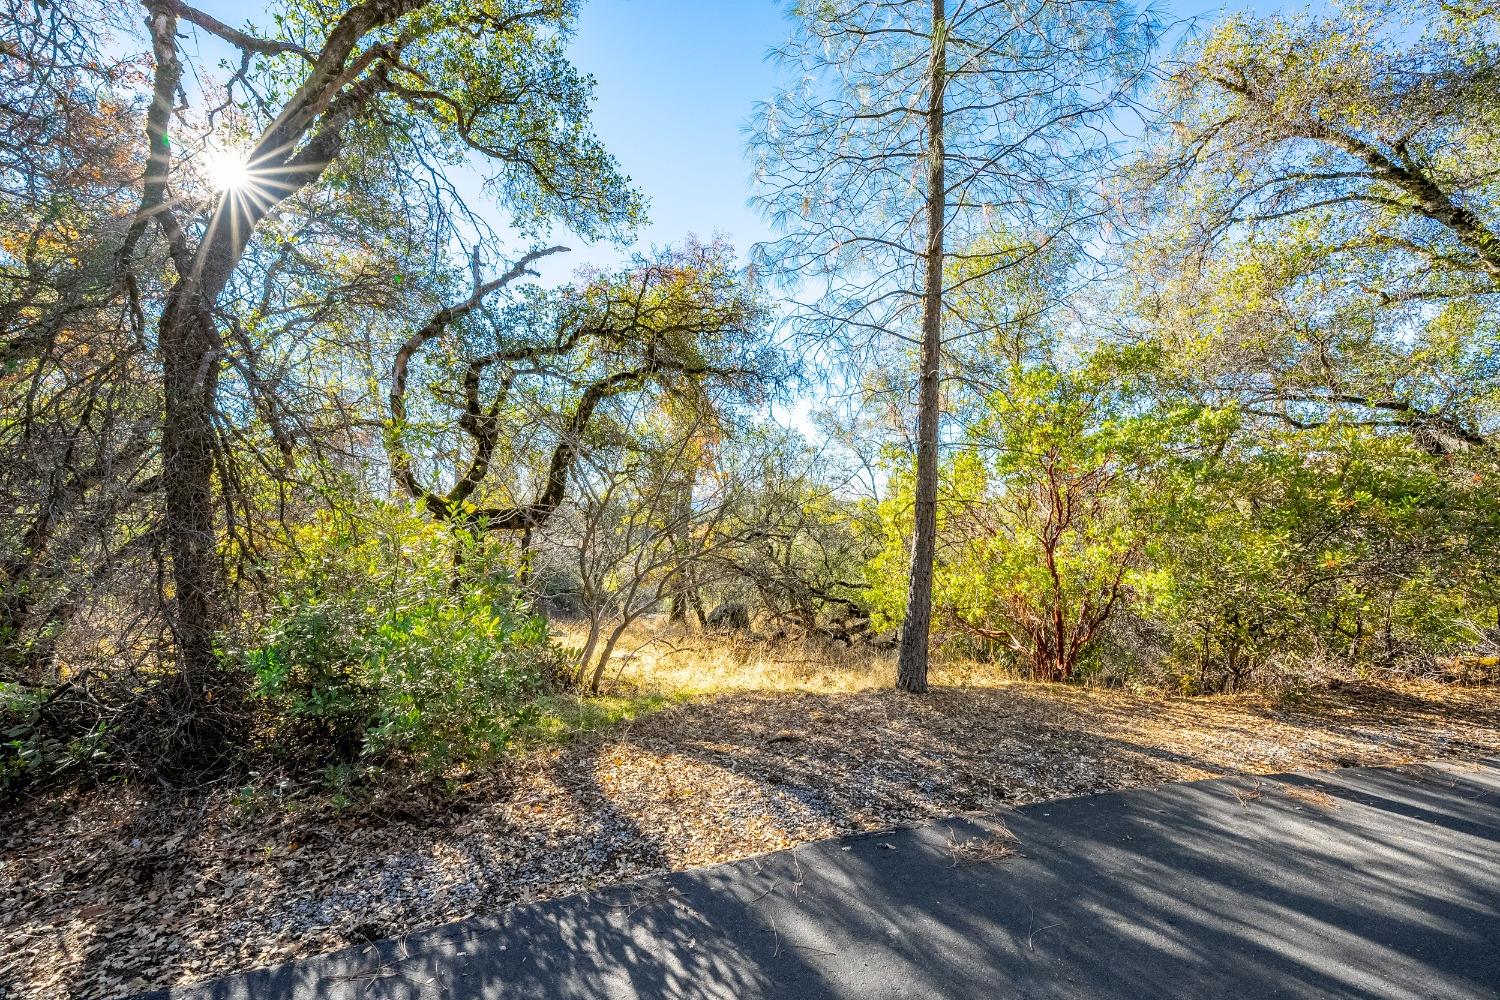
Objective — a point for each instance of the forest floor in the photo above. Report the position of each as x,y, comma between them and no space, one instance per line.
108,892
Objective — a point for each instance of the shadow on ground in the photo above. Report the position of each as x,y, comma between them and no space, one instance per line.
1361,883
716,778
883,754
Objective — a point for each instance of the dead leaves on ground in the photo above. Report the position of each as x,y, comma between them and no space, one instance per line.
119,890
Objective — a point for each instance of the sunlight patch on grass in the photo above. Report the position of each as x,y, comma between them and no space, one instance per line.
677,664
562,717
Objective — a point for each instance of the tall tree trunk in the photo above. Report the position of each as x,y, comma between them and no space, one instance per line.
189,345
912,666
188,338
682,594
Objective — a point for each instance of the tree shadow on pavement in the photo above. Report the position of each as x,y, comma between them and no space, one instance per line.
1356,884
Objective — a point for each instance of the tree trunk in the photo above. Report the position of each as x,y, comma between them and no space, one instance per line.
684,598
682,594
190,367
912,667
602,664
695,598
586,655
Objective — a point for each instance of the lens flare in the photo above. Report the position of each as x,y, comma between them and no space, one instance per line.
227,170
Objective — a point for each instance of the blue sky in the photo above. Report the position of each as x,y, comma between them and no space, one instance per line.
676,83
677,80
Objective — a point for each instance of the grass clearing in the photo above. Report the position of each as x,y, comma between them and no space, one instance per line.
675,665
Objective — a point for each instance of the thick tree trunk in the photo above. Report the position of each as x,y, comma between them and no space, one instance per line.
912,667
188,338
189,346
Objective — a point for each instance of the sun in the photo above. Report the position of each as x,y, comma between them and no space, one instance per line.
227,170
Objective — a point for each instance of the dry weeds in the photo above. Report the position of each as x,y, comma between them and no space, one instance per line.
995,846
1245,796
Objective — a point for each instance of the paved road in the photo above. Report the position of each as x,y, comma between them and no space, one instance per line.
1354,883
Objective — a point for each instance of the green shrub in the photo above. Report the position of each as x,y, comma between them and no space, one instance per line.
37,745
372,650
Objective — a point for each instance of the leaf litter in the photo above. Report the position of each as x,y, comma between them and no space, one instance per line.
113,891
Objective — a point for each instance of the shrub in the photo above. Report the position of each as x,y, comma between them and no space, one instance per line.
372,649
41,739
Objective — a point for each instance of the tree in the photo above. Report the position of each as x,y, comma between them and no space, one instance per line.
682,321
382,86
636,540
1275,549
77,411
804,559
1038,544
1047,545
1325,206
908,132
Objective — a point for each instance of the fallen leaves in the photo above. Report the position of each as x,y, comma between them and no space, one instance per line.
120,890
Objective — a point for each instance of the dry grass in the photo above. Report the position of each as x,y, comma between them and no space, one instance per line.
995,846
1309,795
685,664
677,664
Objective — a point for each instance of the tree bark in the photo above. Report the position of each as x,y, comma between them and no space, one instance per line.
912,665
683,594
586,655
188,336
189,346
602,663
188,343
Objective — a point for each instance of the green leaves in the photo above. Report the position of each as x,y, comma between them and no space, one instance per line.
373,653
1324,244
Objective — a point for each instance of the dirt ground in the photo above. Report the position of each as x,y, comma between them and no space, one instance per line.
114,891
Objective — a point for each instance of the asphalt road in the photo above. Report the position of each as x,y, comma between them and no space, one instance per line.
1353,883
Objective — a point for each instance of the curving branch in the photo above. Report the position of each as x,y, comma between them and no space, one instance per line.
242,40
1435,432
166,81
1421,194
479,424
